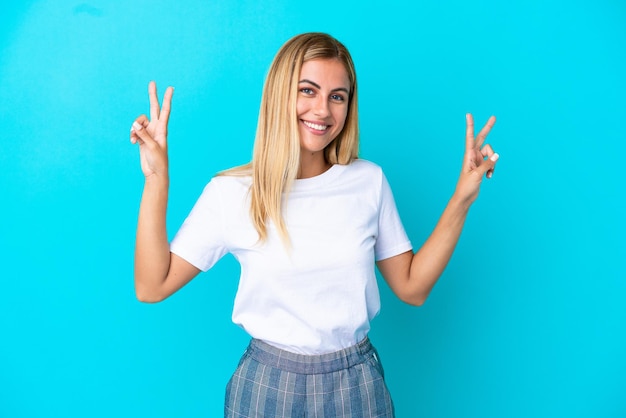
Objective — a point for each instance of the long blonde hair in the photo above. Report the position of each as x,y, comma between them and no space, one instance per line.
276,156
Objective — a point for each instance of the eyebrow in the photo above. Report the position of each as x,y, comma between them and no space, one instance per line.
319,87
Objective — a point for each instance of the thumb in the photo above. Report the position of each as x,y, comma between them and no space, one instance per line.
142,135
488,166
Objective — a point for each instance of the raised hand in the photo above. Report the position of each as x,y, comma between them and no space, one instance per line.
151,135
479,160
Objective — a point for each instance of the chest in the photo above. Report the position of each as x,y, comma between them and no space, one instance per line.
331,231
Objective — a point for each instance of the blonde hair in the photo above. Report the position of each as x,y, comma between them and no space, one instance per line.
276,156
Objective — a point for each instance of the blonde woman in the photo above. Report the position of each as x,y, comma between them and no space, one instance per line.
308,221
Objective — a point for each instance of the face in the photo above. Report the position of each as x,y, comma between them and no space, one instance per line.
322,105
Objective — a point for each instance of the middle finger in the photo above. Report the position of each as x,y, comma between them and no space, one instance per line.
480,138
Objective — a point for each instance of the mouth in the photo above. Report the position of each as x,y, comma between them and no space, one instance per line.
316,126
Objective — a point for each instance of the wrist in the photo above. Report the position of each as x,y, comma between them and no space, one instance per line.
460,203
157,187
157,180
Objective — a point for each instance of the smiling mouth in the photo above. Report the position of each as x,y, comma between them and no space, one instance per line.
315,126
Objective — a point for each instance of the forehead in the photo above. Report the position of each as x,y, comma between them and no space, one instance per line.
330,73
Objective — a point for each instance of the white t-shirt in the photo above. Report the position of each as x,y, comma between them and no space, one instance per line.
320,295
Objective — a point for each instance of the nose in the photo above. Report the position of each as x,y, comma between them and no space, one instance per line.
321,107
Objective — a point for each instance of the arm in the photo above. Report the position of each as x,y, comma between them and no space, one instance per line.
158,273
412,276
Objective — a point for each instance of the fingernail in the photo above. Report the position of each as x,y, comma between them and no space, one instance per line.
137,126
494,157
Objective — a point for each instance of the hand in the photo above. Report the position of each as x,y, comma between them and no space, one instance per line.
478,160
152,134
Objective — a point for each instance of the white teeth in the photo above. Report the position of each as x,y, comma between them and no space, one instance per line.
316,126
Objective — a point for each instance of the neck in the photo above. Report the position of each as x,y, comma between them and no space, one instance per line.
312,164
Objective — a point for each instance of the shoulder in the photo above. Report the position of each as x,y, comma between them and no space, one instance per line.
360,176
371,176
226,187
231,180
364,169
364,166
239,176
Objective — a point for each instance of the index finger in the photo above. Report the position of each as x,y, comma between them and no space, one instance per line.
154,101
469,131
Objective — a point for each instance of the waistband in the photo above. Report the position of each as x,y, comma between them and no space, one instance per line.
311,364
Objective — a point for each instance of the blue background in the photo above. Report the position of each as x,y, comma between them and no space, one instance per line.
528,319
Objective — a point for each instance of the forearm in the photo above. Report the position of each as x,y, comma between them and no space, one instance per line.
431,260
152,254
412,276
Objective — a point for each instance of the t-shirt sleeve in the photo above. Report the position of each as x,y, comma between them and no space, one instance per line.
392,238
200,239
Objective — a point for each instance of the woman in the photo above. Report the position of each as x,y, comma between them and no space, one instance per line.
307,220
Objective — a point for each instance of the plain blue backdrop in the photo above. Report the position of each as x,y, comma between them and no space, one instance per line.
529,318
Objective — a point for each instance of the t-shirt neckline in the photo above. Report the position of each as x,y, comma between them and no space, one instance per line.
320,180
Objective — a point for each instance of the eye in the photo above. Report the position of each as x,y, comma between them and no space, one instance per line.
306,90
337,98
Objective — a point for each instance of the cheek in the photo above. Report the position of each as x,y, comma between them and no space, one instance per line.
300,107
340,117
